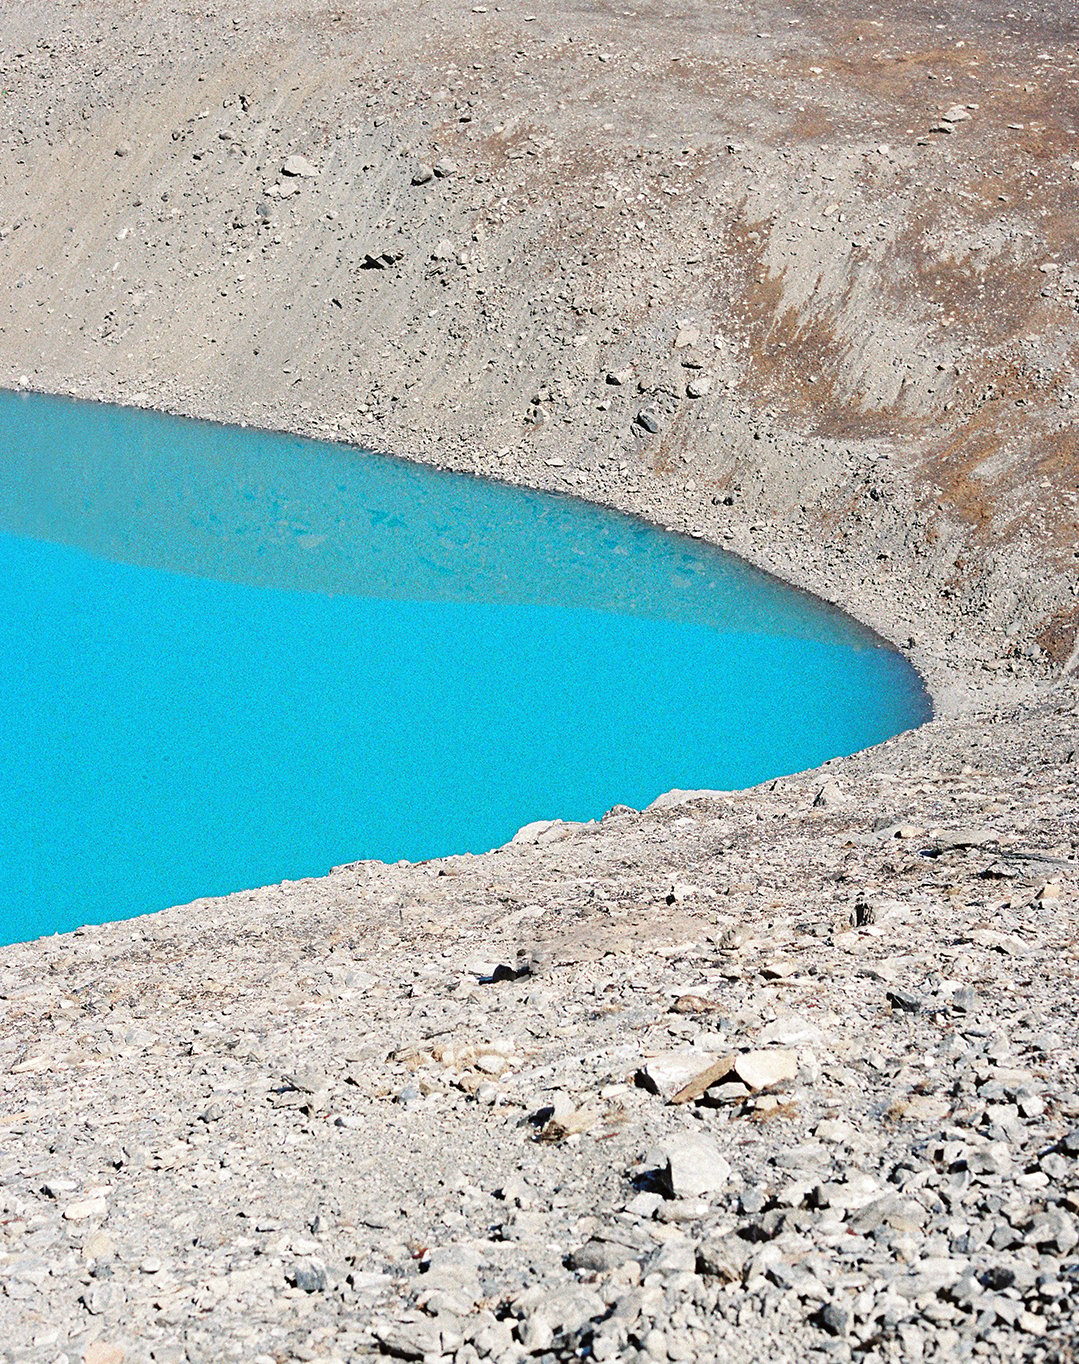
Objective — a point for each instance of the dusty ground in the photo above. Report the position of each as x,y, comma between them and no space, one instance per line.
831,260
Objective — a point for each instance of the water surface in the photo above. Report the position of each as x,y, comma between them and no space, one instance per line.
229,658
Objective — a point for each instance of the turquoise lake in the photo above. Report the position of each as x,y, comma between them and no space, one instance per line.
229,658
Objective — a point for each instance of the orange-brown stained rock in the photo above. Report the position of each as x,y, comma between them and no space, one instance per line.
719,1070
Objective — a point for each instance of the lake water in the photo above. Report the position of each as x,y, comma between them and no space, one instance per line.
229,658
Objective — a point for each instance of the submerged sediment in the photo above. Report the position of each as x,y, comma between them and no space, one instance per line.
761,1075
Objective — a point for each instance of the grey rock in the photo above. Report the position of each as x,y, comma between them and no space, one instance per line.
600,1257
308,1275
409,1340
837,1317
905,1000
724,1257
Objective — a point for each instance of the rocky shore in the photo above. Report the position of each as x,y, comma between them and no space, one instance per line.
781,1074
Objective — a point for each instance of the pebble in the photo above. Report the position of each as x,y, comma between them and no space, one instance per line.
694,1166
86,1208
763,1069
299,166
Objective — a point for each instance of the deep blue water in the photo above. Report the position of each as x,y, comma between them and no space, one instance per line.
229,658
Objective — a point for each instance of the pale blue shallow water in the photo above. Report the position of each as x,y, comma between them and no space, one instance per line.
229,658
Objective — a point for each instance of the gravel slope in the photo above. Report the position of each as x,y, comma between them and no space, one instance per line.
423,1111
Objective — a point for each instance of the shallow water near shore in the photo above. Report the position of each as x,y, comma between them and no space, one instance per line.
229,658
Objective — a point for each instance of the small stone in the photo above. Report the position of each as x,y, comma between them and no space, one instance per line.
422,175
1054,1227
86,1208
620,376
309,1276
730,1092
56,1188
695,1166
837,1317
123,149
687,337
600,1257
675,1257
829,797
654,1344
724,1257
98,1298
409,1340
300,167
445,168
648,421
763,1069
905,1001
699,388
101,1352
536,1333
835,1130
495,1340
380,260
644,1204
99,1246
956,114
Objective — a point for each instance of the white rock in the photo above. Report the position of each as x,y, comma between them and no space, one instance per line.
546,831
835,1130
678,797
791,1030
695,1166
86,1208
762,1069
829,796
299,166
